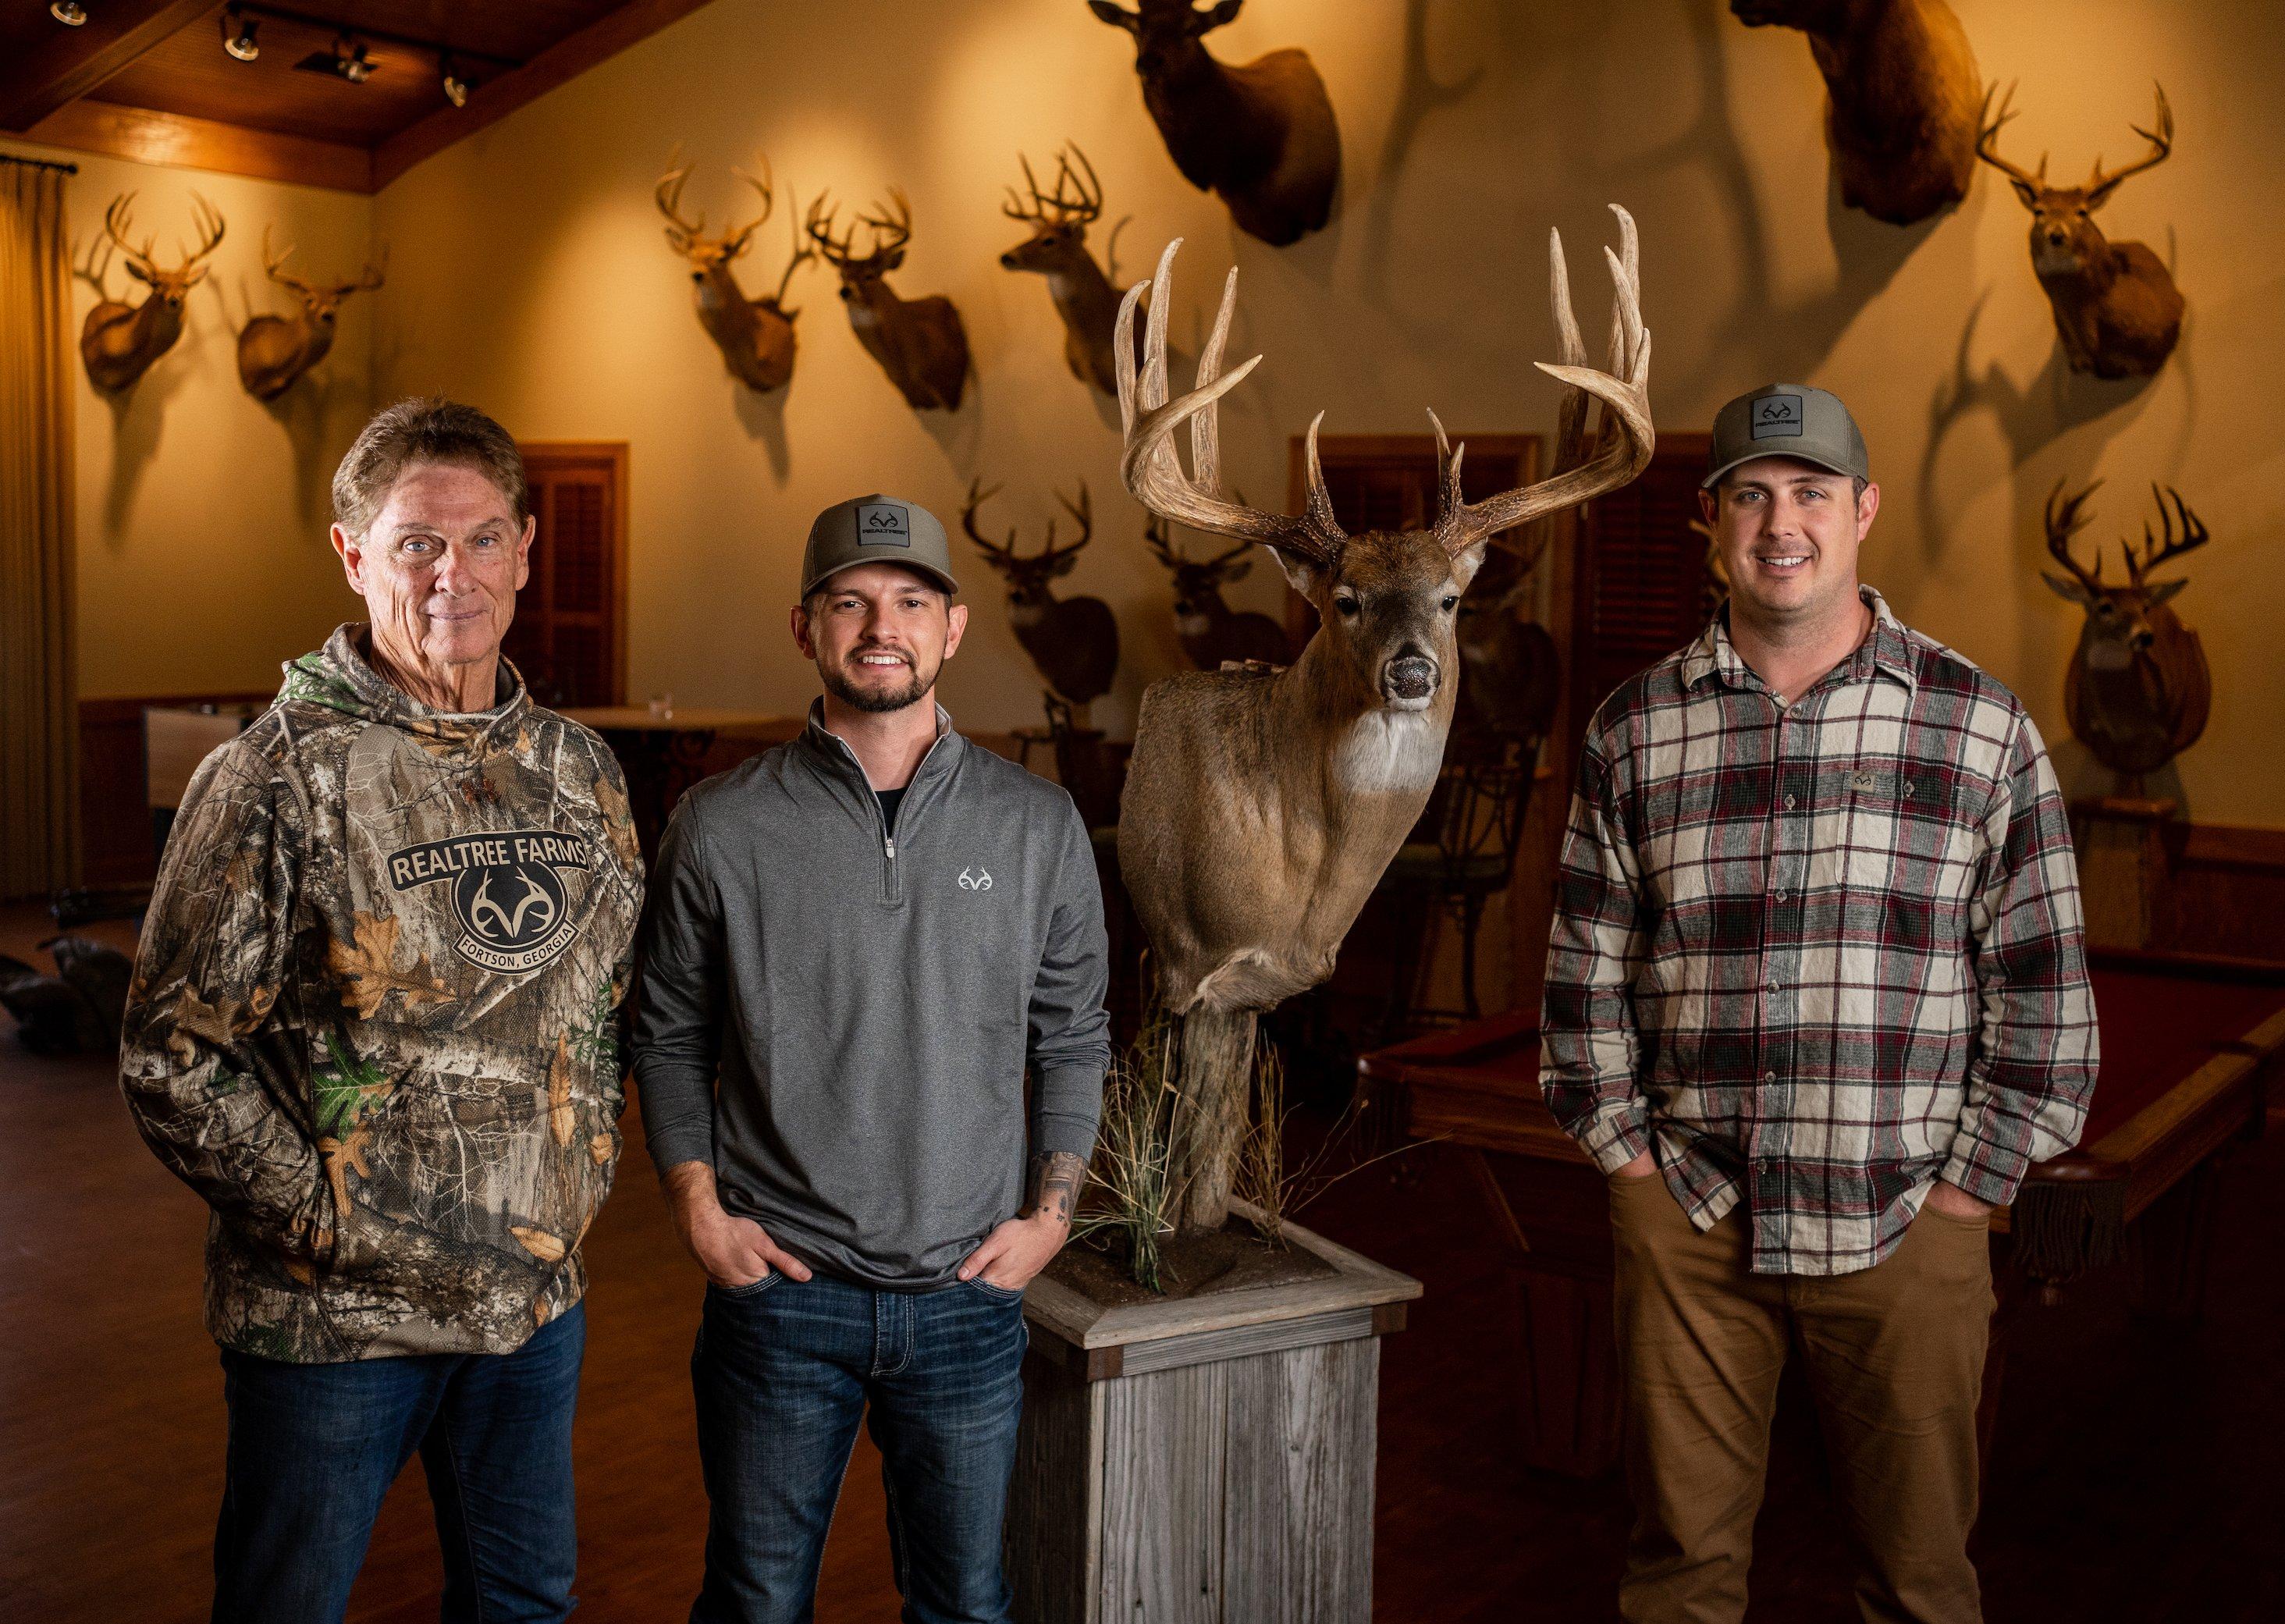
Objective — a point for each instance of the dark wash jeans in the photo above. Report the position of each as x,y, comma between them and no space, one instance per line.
314,1447
784,1368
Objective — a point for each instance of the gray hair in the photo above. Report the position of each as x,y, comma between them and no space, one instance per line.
428,429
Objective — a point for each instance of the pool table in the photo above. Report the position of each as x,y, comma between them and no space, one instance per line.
2189,1044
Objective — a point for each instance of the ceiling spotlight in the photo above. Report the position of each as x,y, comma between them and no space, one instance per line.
456,89
350,60
237,34
71,13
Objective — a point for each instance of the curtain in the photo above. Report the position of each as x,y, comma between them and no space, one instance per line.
39,724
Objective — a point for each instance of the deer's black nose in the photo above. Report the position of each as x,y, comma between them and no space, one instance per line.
1410,677
1007,260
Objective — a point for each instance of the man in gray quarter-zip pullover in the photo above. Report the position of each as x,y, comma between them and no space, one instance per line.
855,944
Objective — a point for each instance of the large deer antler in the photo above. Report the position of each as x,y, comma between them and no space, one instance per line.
2100,186
891,228
1000,555
140,262
2194,534
1624,436
1074,202
373,276
2064,520
1988,125
997,554
684,234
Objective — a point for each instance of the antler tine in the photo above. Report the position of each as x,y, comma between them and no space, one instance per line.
668,195
374,274
801,255
765,184
1086,207
977,496
1158,535
1624,391
273,265
118,220
209,221
2167,545
818,224
2100,186
1148,464
1014,207
2064,520
1987,132
896,222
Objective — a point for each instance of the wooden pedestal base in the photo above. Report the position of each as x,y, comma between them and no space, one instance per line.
1207,1461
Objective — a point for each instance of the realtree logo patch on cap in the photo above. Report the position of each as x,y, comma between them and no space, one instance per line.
1777,414
883,524
507,892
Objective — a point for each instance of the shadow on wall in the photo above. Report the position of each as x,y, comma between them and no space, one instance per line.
762,417
138,412
1794,339
1418,94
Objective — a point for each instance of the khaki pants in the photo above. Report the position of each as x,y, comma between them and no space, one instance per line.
1895,1360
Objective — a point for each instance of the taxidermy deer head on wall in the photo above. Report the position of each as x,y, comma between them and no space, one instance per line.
1212,633
2117,310
2139,688
1074,641
119,341
755,335
919,342
1262,136
1261,807
1057,249
1902,97
274,350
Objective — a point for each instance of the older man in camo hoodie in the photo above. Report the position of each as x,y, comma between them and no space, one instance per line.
373,1025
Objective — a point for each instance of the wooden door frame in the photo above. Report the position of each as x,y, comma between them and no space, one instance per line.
614,452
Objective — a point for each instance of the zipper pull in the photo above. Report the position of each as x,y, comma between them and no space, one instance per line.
889,846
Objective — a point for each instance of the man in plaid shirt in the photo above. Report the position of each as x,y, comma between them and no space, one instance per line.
1816,997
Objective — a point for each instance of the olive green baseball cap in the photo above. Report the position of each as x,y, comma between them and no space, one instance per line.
1786,419
876,530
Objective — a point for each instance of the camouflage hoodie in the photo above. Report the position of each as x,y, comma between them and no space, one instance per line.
375,1013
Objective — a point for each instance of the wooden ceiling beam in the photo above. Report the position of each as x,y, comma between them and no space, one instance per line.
202,144
495,98
75,60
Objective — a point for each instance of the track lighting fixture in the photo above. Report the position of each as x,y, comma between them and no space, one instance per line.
350,60
71,13
455,87
237,34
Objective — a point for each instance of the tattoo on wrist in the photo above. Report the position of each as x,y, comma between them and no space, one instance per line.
1057,1179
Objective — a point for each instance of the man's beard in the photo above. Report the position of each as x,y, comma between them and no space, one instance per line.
877,700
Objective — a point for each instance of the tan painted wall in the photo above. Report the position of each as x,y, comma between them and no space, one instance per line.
529,277
202,561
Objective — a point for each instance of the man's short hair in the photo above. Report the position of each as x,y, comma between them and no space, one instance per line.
429,429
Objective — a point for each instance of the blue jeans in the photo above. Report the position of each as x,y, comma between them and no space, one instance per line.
314,1447
783,1370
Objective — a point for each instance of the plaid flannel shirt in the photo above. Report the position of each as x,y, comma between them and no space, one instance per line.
1819,955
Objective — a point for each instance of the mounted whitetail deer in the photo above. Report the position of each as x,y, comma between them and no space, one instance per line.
119,341
1073,641
755,335
1901,98
2138,689
1261,807
1212,633
275,351
1262,136
2117,310
1057,249
919,342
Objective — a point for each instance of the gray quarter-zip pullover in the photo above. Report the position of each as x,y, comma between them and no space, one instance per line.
868,1001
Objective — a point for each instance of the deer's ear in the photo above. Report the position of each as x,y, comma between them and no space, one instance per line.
2069,590
2164,589
1301,574
1237,572
1116,16
139,274
1226,12
2026,192
1065,565
1467,561
894,258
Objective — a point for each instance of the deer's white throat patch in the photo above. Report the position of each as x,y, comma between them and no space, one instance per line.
1386,752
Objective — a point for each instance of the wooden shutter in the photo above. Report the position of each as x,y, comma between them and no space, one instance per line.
1641,581
569,635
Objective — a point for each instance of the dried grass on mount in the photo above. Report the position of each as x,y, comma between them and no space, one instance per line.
1131,1191
1134,1198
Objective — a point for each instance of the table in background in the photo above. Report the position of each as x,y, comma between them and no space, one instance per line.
664,755
2188,1047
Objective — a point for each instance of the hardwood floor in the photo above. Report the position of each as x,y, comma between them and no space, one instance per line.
2135,1475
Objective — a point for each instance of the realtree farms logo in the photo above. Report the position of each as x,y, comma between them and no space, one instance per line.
507,889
